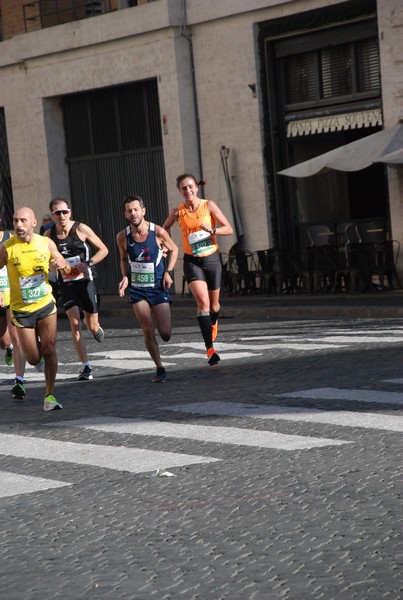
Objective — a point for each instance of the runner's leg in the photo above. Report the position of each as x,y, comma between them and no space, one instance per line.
73,315
47,330
163,317
143,315
200,293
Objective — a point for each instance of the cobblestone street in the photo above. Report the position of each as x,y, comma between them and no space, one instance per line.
276,474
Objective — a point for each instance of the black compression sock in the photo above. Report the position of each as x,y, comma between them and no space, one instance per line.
214,316
205,328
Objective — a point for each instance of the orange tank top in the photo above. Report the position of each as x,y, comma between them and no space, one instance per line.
196,241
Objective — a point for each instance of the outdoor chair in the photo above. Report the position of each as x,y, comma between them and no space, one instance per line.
270,270
322,258
242,272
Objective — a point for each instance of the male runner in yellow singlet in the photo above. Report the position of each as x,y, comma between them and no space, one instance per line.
8,335
33,310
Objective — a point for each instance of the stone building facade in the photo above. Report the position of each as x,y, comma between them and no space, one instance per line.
209,69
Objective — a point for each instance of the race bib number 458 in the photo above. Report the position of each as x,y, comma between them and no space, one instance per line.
142,274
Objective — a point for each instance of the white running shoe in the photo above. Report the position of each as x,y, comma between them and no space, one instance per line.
50,403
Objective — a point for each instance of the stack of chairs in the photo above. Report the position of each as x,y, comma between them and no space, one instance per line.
323,259
270,271
380,254
242,272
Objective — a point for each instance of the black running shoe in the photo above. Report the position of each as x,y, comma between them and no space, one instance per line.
99,335
161,376
18,391
85,374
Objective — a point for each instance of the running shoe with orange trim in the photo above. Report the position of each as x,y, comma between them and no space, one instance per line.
212,357
214,331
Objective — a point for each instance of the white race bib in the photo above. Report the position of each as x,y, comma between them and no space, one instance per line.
33,288
4,282
74,274
201,243
142,274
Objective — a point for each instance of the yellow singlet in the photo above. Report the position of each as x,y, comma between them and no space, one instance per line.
27,268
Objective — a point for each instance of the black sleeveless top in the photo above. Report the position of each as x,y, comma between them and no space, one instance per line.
72,248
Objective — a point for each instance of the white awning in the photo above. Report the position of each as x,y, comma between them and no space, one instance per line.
340,122
384,146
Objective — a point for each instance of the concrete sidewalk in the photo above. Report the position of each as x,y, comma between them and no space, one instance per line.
378,304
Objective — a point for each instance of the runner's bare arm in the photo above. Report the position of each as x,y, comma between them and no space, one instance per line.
225,226
124,262
3,256
165,240
170,220
57,259
86,234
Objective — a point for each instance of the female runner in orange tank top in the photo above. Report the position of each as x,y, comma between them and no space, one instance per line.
201,221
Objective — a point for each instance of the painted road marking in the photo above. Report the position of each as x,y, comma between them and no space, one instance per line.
335,339
202,433
133,460
377,396
253,347
344,418
12,484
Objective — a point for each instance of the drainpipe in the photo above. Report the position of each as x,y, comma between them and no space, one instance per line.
184,32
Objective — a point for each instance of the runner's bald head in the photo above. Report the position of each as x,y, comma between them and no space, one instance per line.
24,221
25,210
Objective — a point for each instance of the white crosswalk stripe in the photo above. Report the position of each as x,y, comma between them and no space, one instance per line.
203,433
133,460
311,337
355,395
136,460
13,484
361,419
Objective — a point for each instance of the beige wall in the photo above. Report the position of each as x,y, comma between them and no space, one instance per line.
126,46
30,89
390,22
133,44
229,116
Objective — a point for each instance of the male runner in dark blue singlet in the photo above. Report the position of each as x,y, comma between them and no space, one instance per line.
143,273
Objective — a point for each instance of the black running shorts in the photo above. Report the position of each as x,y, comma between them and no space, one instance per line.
28,320
79,293
206,268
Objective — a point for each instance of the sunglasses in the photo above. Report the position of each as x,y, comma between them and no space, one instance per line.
63,211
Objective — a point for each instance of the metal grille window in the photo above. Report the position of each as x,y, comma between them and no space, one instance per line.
117,119
300,78
6,194
94,7
367,66
336,74
114,148
133,124
39,14
104,121
347,71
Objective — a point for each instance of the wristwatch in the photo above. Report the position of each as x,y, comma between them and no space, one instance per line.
171,273
90,263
